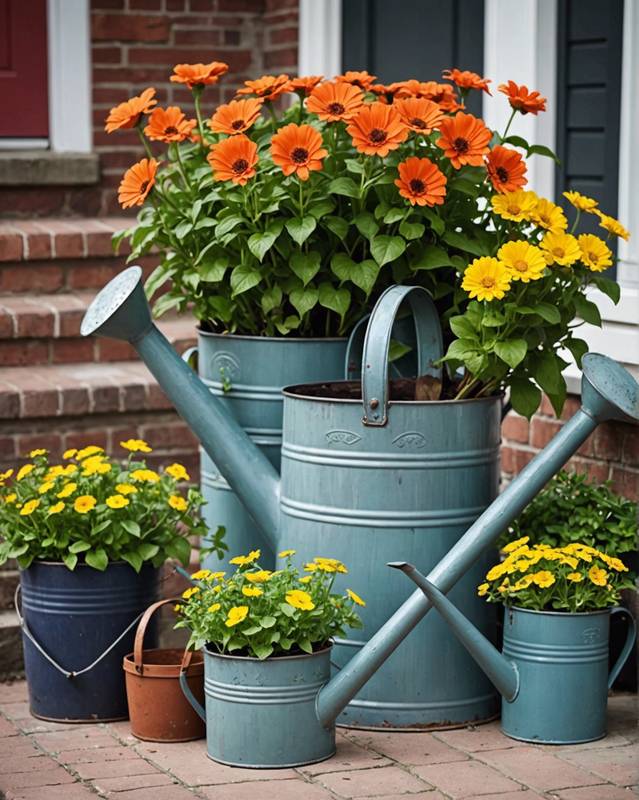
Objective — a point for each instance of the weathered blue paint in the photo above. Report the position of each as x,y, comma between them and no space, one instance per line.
74,617
609,392
553,674
261,714
254,370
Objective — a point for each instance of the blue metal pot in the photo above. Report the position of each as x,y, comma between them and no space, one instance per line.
247,374
76,629
262,714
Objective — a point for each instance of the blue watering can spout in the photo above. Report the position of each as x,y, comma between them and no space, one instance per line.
502,672
121,311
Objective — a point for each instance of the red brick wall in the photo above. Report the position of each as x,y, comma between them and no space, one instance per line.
134,44
611,452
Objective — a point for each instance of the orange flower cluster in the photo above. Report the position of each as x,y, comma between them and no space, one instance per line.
379,118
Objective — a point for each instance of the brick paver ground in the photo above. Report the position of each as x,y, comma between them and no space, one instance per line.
46,761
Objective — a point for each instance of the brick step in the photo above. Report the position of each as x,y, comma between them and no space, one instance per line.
11,663
45,329
9,579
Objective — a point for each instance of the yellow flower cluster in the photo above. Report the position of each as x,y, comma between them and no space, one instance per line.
325,565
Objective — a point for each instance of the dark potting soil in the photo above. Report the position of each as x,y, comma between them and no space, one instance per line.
420,389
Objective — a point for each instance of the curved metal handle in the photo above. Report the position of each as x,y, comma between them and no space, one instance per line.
186,689
138,645
190,355
628,645
377,343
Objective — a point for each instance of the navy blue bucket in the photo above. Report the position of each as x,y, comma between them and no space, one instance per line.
76,629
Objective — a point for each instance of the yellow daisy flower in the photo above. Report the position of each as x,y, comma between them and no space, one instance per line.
575,577
178,503
595,253
6,474
136,446
260,576
145,475
67,490
178,472
543,579
300,599
516,544
24,471
215,607
549,216
597,575
286,553
580,201
516,206
125,488
91,450
40,452
11,498
614,563
117,501
486,279
306,579
482,589
236,615
496,572
190,592
29,507
560,248
355,598
57,508
242,561
613,226
84,503
251,591
524,261
201,574
330,565
523,583
70,452
44,488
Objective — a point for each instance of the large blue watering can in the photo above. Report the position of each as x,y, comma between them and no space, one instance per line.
609,392
553,672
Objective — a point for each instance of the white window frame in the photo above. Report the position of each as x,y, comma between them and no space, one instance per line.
69,81
320,38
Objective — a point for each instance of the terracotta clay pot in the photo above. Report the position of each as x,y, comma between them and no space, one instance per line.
158,710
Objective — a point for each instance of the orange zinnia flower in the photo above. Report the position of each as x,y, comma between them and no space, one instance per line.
198,74
127,114
421,182
237,116
377,130
464,139
335,101
520,98
169,125
419,114
466,79
298,149
137,183
269,87
306,84
506,169
440,93
233,159
362,79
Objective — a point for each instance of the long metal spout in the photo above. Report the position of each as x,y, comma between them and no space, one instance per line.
608,392
502,672
121,311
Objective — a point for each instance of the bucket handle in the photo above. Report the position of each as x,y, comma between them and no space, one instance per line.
138,645
628,644
186,689
73,673
190,355
377,343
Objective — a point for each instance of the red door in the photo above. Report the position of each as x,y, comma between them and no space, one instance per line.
23,69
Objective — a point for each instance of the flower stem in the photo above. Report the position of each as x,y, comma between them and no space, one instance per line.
145,144
512,117
197,93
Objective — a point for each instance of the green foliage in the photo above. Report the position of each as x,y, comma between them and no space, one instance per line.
260,613
95,510
570,509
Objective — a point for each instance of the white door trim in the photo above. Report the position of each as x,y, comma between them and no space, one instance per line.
320,38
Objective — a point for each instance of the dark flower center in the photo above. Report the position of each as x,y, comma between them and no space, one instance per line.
299,155
237,124
336,108
502,174
170,130
416,122
143,186
240,166
377,136
460,145
417,186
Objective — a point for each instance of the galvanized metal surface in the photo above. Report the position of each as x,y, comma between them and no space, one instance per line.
74,617
261,714
254,369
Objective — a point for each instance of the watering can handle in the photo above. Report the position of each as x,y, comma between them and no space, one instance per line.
628,644
186,689
377,343
190,355
138,645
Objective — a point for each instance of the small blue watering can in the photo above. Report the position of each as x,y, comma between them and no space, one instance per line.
553,671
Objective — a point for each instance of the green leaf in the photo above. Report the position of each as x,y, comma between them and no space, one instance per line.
578,348
524,396
79,547
465,243
179,548
541,150
387,248
394,215
558,398
305,645
461,349
432,257
252,630
516,141
365,275
303,300
366,225
337,225
334,299
397,350
608,287
493,318
301,229
291,323
436,222
260,243
306,266
344,186
212,271
131,527
289,611
321,208
271,298
146,550
412,230
547,371
97,559
262,651
227,224
268,622
587,310
462,327
343,266
512,351
70,559
244,278
134,559
353,165
545,310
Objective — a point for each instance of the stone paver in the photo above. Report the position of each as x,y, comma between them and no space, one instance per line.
48,761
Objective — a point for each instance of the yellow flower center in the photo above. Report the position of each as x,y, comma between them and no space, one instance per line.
559,252
520,265
488,281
